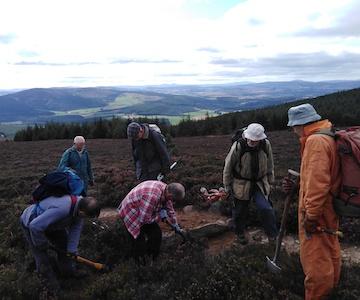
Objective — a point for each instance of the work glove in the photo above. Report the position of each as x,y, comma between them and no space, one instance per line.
91,182
177,229
310,226
287,185
163,214
71,254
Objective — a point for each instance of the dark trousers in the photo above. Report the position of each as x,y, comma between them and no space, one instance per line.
265,210
147,243
149,176
44,268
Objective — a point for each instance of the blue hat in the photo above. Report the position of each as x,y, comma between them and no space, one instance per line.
302,114
133,130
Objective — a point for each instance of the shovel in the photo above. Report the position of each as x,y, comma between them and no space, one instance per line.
272,264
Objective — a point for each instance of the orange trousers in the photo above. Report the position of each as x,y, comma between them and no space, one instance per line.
321,261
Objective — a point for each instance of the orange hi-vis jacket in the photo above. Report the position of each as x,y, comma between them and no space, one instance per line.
319,181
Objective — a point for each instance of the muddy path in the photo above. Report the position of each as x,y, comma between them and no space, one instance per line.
216,245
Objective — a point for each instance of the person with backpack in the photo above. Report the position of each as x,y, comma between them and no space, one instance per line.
143,208
151,157
56,223
248,174
319,182
77,159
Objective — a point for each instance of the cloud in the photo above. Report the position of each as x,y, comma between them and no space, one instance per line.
208,49
144,61
179,74
225,62
28,53
138,41
345,25
295,64
255,22
52,64
7,38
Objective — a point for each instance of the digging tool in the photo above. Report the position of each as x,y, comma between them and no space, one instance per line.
272,264
338,233
160,177
100,225
96,265
185,238
78,258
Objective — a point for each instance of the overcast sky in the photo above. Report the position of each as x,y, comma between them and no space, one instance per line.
47,43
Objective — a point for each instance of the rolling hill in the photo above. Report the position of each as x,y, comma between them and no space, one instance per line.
41,105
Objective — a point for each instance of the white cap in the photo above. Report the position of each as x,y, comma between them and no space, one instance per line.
255,132
79,139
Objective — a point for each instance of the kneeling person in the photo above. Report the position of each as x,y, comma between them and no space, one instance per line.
142,209
56,221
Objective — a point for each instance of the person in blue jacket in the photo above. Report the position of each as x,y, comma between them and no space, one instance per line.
56,222
151,157
77,159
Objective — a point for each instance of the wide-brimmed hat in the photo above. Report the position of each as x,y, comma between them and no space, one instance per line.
302,114
255,132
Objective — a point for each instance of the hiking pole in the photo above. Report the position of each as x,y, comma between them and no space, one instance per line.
83,260
160,177
273,264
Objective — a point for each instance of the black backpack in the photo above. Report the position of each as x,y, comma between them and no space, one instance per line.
241,141
57,184
238,134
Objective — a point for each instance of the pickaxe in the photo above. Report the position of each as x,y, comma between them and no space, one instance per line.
80,259
160,177
273,264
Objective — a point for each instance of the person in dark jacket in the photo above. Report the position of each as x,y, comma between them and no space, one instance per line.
149,150
77,159
56,221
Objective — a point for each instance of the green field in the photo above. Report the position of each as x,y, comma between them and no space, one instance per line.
11,128
129,99
132,99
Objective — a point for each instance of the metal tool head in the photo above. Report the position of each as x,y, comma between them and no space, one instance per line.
272,266
293,173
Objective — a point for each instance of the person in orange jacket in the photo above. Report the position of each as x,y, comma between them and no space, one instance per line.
319,181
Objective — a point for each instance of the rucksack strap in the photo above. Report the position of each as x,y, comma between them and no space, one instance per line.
327,131
73,203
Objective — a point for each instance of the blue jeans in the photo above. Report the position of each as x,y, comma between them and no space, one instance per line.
265,209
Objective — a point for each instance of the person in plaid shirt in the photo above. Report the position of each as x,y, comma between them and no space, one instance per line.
142,209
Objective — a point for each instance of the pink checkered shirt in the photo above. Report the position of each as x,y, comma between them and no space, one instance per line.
142,205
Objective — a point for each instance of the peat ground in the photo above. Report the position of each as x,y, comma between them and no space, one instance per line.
183,272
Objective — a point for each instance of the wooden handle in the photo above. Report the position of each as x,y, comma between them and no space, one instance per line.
88,262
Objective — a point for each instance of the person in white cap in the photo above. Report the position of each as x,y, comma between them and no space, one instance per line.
248,174
77,158
319,181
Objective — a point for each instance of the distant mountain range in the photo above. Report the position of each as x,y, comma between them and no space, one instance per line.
76,104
